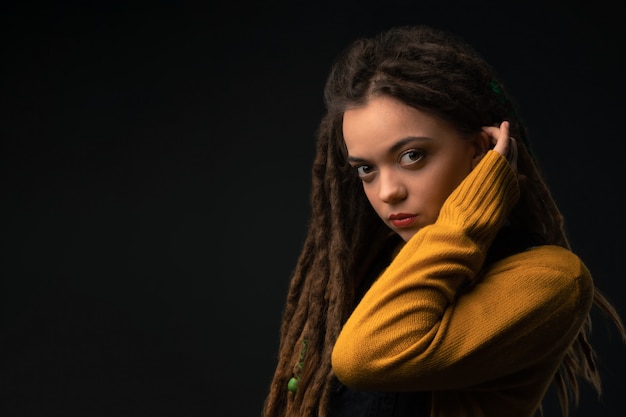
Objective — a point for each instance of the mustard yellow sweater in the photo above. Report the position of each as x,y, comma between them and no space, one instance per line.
490,349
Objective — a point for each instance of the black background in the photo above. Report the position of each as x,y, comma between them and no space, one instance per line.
155,175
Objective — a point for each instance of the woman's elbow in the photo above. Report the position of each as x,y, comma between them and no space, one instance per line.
349,369
358,370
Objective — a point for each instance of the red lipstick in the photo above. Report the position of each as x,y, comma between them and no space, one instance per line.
402,219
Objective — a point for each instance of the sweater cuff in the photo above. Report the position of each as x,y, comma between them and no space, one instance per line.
484,198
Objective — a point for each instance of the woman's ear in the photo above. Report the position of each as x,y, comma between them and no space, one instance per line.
482,143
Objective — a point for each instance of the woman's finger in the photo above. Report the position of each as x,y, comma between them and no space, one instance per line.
504,144
503,140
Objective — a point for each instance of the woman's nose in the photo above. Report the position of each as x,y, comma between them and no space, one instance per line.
391,188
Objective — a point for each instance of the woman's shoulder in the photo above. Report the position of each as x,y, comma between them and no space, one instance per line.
549,257
549,268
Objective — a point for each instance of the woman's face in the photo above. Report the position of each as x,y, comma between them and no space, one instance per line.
408,161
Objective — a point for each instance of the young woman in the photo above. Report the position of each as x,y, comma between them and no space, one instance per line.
436,278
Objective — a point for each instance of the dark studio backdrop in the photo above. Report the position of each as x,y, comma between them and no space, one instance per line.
155,165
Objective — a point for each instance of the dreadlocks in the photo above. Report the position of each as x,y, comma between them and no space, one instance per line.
437,73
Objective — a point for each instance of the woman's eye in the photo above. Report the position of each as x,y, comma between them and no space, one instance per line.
363,170
411,157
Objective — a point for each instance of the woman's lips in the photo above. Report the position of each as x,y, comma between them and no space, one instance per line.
402,219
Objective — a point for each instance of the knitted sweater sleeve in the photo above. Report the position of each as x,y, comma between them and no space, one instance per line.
416,330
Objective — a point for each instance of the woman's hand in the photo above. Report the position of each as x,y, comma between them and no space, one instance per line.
505,145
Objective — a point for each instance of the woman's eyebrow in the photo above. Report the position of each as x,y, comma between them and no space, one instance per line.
405,141
396,146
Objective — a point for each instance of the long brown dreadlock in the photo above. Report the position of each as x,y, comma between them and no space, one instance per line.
434,72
